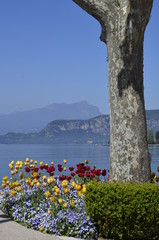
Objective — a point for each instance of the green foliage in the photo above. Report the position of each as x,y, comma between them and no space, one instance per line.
150,136
157,136
124,211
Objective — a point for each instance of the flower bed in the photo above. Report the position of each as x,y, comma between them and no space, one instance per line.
49,203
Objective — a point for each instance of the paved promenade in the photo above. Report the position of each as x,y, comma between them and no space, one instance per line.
10,230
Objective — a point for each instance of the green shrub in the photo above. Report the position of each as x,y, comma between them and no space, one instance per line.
124,211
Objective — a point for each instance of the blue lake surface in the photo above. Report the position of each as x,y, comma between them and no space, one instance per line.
96,154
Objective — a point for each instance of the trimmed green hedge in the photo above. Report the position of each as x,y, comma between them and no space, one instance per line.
124,211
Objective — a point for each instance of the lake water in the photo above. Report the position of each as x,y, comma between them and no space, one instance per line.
96,154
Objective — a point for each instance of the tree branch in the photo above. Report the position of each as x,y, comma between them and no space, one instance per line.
97,8
101,10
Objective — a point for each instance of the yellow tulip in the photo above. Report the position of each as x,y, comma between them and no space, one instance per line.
21,175
52,163
84,185
64,168
44,185
65,161
56,189
10,166
13,193
36,162
38,185
64,183
79,187
65,205
47,194
41,163
79,194
73,184
35,181
44,178
56,194
12,162
16,170
52,199
5,178
2,193
17,184
48,211
72,202
34,174
60,200
20,166
31,161
7,182
19,189
76,187
66,190
16,166
12,172
83,190
11,186
50,180
86,161
31,184
4,185
28,181
27,159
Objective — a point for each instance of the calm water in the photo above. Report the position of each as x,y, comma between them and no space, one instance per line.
96,154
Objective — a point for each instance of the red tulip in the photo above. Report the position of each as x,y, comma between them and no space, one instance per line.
87,174
92,175
72,174
36,169
79,167
88,168
104,172
69,178
77,171
71,168
60,169
98,172
82,171
27,169
81,175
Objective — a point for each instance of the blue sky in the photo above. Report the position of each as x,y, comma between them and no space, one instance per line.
50,51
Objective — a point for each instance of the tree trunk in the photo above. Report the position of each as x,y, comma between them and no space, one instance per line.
123,25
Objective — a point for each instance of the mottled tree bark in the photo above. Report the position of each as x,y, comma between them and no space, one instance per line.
123,25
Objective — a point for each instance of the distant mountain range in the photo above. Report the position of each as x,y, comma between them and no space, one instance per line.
95,130
35,120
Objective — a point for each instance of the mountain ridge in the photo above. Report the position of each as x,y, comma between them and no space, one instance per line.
36,119
95,130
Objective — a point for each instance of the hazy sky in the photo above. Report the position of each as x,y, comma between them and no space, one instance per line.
50,51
